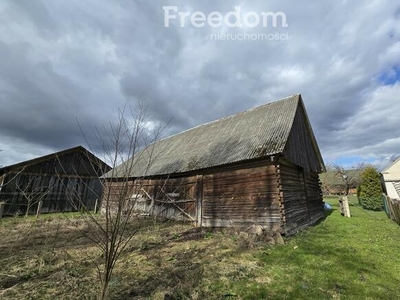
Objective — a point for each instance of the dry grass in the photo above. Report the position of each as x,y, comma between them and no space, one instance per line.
338,259
50,259
44,258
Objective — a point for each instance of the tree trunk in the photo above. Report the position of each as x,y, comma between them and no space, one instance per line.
104,291
27,210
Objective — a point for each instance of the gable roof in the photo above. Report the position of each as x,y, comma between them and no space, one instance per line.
392,172
385,170
259,132
22,165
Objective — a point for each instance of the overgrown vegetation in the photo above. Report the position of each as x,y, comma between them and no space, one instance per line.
370,190
340,258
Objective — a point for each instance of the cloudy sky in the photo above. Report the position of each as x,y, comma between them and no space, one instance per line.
63,61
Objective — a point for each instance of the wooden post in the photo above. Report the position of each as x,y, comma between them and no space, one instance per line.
95,206
199,200
1,209
344,206
39,208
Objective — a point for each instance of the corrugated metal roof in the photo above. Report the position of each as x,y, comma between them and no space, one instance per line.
21,165
258,132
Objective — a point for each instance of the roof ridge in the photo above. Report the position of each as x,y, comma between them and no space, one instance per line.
49,156
231,116
392,163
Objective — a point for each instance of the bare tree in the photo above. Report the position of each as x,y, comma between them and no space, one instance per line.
340,180
349,177
33,190
112,231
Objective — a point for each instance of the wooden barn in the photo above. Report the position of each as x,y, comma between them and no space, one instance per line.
258,167
60,182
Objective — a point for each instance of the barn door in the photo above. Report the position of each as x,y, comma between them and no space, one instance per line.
178,199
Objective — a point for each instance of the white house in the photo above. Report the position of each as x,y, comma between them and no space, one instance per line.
391,179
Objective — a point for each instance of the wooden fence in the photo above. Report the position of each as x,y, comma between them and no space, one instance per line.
392,208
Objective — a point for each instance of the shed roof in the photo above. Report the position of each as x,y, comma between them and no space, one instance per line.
259,132
22,165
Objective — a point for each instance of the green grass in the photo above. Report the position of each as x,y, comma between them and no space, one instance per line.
340,258
346,258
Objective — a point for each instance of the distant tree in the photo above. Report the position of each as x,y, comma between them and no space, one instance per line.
350,177
370,190
338,180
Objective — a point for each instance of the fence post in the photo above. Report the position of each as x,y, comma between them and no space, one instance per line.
395,207
390,207
386,205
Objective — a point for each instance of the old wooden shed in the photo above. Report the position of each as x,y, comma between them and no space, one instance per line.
63,181
257,167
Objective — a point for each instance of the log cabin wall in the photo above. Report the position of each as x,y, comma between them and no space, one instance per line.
314,196
300,196
241,197
117,193
278,196
294,199
223,197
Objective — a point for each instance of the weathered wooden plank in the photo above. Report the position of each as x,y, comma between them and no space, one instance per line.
300,192
245,195
237,192
267,223
244,180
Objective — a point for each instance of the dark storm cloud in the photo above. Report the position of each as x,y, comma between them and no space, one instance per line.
68,60
31,97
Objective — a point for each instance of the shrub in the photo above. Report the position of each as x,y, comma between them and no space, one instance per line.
370,190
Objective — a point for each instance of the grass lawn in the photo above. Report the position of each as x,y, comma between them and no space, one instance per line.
340,258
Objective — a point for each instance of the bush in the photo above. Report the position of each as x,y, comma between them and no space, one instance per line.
370,191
